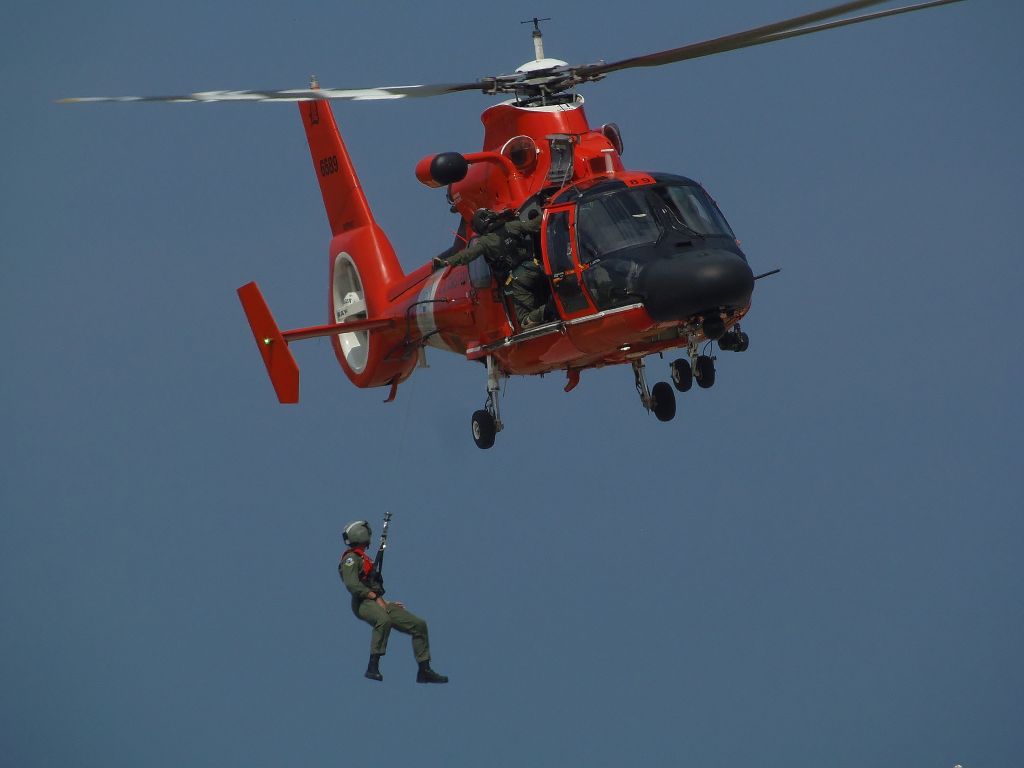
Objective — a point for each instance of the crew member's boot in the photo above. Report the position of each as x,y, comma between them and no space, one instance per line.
427,675
373,668
536,316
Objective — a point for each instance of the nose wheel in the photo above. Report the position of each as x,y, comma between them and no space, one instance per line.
701,368
704,371
682,374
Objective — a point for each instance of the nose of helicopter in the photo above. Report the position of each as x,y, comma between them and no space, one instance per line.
683,285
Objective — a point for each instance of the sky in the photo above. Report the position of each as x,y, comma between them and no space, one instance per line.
816,563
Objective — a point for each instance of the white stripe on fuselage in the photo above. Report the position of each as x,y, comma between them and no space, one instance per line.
425,313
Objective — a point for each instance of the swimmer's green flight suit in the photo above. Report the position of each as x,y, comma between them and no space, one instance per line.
356,570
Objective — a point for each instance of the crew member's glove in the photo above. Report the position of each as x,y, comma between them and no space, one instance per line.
438,263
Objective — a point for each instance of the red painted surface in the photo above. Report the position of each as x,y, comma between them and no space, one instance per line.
281,366
444,309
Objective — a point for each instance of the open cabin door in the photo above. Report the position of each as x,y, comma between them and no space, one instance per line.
562,263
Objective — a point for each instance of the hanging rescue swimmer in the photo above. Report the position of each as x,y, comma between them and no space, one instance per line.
508,247
364,581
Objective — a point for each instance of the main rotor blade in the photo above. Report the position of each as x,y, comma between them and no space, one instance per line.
768,33
300,94
845,22
561,78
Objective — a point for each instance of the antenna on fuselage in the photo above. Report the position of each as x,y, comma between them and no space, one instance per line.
538,38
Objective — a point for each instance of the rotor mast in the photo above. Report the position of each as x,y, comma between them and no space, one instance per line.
538,37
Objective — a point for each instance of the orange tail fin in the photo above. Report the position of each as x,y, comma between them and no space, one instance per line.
363,264
343,196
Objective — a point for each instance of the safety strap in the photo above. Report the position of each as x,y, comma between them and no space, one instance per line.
367,562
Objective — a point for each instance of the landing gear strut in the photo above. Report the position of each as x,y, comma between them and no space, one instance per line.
701,368
486,423
661,400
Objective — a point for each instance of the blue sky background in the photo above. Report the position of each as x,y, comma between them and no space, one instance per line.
817,563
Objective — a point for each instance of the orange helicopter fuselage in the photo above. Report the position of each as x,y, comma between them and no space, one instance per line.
542,156
451,310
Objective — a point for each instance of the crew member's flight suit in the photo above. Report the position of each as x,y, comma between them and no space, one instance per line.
356,571
510,253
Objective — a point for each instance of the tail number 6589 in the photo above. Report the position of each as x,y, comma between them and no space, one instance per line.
329,165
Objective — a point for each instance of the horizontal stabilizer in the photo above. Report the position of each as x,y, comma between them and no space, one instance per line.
333,329
281,366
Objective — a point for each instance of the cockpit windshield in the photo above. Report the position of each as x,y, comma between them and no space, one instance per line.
695,209
619,230
613,221
625,218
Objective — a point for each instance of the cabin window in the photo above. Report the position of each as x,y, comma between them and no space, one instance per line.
480,273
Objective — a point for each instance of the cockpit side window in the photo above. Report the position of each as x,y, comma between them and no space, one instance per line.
559,252
613,221
564,278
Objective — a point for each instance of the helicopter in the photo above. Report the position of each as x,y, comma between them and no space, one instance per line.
636,263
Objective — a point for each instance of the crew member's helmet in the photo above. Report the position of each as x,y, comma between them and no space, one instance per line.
357,534
484,220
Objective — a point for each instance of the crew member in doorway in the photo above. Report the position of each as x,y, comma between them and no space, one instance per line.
509,248
368,603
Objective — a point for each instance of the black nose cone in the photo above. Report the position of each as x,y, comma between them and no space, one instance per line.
679,286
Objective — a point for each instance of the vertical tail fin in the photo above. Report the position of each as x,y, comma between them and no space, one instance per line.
352,224
343,196
362,262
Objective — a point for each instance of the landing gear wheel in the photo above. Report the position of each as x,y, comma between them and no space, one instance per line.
705,372
664,405
742,341
682,375
484,429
